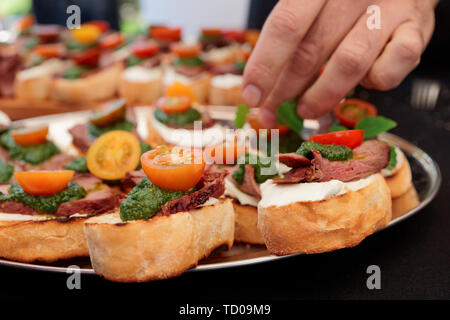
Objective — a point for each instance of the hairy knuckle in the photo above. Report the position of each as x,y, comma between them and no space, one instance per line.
352,60
284,21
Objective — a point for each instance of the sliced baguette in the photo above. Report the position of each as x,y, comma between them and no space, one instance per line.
404,203
42,240
246,224
319,226
144,90
101,85
157,248
225,96
401,180
34,83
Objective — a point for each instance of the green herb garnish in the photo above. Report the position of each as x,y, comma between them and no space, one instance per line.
177,119
241,116
374,125
240,66
132,60
331,152
189,62
287,115
337,127
392,159
74,72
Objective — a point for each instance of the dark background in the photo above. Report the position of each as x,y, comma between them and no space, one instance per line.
414,256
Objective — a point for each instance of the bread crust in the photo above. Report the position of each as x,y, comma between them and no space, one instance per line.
157,248
225,97
406,202
44,240
401,181
321,226
140,92
246,224
99,86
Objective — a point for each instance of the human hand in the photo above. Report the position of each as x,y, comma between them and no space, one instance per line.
299,36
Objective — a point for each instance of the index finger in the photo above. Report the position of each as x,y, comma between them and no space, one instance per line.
285,27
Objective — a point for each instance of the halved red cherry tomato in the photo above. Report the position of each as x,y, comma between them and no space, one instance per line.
225,153
253,121
349,138
102,25
43,183
173,169
53,50
174,104
186,51
88,57
234,35
165,33
350,111
111,41
47,33
212,32
30,136
145,49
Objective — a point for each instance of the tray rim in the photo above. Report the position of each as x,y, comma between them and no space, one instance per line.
429,165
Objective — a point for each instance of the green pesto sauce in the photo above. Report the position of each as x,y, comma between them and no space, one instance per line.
74,72
189,62
132,60
44,204
125,125
78,165
6,171
177,119
144,201
331,152
238,174
34,154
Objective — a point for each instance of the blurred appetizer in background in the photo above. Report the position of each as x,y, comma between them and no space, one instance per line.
174,117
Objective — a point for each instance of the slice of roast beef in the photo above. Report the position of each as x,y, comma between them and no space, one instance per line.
249,184
16,207
190,72
369,158
57,162
132,178
293,160
80,137
95,202
211,185
87,180
225,68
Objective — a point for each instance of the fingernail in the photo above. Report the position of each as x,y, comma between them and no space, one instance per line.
251,95
267,118
305,113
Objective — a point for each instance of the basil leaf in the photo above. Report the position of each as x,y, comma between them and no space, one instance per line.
132,60
240,66
241,115
238,174
189,62
74,72
337,127
287,115
374,125
392,160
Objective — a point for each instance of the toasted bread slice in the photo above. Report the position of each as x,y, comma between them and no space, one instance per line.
401,179
139,85
45,240
404,203
157,248
246,224
34,83
333,223
225,96
101,85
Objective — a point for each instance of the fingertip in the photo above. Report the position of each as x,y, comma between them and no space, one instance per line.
251,95
305,112
267,118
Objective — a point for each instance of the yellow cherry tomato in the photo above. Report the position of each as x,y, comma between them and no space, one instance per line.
87,34
113,154
178,89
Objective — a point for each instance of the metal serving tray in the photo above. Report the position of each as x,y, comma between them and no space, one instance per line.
425,171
